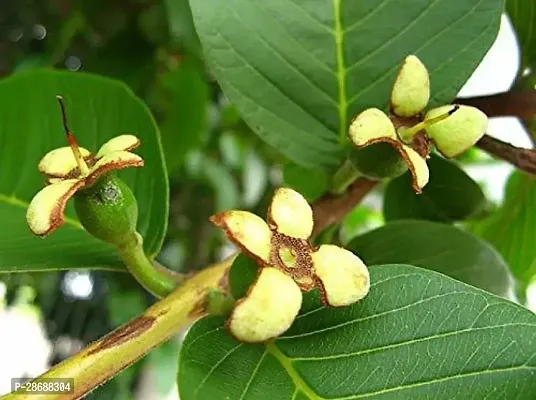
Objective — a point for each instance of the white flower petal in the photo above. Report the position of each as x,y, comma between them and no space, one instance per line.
246,230
411,90
371,126
269,308
113,161
119,143
59,162
344,277
457,133
291,213
417,166
45,212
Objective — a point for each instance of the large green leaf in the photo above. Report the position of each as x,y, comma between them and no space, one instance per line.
451,195
299,70
30,125
522,13
511,229
438,247
417,335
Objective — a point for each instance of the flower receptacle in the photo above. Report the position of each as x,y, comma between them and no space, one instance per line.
108,210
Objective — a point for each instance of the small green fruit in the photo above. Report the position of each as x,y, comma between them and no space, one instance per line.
378,161
459,131
411,90
108,210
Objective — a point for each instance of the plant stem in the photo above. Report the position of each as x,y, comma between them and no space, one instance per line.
344,177
524,159
103,359
154,280
330,209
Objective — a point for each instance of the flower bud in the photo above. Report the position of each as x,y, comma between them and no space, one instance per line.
108,210
459,131
411,90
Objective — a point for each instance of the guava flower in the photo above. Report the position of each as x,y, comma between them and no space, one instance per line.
288,265
72,168
452,128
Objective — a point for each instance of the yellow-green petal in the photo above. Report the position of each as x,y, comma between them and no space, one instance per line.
248,231
119,143
291,214
60,162
343,276
371,126
457,133
417,166
45,212
269,308
411,90
113,161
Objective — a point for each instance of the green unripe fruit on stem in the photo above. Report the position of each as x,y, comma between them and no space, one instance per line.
378,161
108,210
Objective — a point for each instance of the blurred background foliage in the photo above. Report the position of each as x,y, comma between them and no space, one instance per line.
214,160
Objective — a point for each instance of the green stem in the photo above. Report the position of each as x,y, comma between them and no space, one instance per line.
344,177
156,281
106,357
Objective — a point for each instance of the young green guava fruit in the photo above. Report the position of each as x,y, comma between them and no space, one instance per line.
378,161
108,210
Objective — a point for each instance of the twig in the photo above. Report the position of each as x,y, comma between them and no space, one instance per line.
524,159
103,359
332,208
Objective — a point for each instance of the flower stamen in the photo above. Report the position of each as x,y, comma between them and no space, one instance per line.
407,134
84,169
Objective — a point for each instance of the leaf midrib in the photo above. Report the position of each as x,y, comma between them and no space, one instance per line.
15,201
341,69
302,386
286,363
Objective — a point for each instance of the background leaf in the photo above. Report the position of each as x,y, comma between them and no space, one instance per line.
185,127
438,247
522,14
511,228
298,71
311,183
417,335
451,195
98,109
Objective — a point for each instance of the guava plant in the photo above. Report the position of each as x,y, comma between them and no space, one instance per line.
354,97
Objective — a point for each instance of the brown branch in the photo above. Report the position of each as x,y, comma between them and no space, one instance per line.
332,208
518,103
524,159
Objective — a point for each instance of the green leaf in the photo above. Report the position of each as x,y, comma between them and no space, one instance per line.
417,335
522,14
511,228
451,195
98,109
185,125
298,71
311,183
438,247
